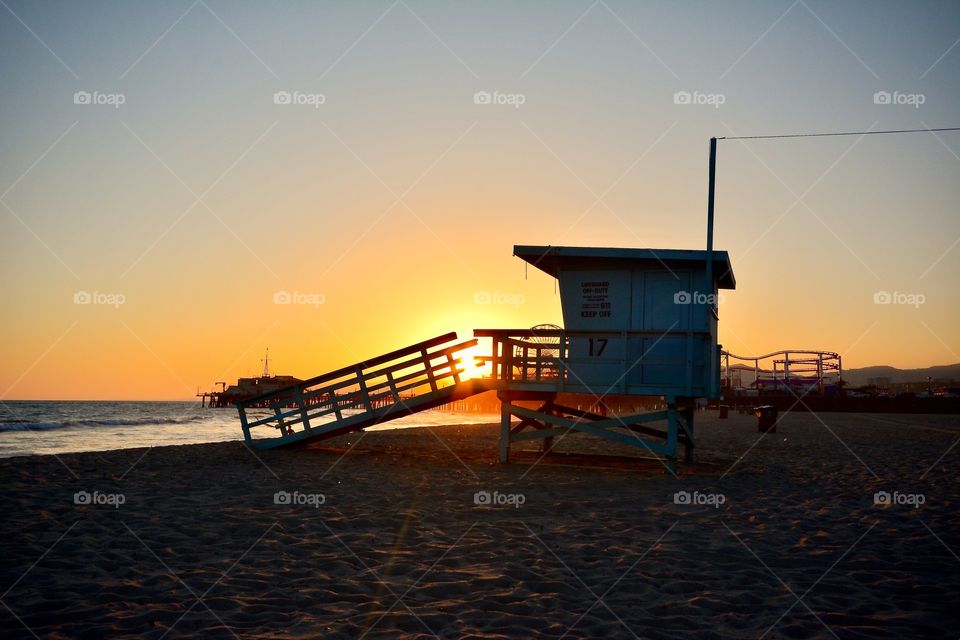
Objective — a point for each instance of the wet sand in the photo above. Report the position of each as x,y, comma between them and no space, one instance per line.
381,535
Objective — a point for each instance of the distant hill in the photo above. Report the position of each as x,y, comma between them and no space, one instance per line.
859,377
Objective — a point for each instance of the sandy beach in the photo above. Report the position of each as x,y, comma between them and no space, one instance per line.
381,536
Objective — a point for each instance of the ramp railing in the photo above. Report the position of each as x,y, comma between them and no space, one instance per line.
361,393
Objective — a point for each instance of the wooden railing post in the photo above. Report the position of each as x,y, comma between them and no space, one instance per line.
393,387
303,409
280,424
430,376
363,389
335,403
243,424
453,367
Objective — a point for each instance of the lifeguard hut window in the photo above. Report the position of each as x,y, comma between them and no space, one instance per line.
639,321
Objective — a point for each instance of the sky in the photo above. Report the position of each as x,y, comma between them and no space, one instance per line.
173,173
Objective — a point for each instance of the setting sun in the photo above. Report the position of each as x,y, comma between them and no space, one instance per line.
472,367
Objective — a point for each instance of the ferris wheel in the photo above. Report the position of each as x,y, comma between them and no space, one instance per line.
542,356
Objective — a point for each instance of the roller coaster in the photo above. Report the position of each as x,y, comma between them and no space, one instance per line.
795,370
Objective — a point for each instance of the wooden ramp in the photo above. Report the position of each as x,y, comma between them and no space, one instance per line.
416,378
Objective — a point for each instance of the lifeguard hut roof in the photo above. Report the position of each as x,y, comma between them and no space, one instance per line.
551,259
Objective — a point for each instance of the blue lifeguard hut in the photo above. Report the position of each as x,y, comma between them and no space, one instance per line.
637,322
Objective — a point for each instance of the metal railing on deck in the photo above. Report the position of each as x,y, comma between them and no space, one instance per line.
520,356
365,389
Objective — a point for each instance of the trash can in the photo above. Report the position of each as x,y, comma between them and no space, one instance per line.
766,418
724,409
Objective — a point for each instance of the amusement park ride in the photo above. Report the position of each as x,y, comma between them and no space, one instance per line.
796,371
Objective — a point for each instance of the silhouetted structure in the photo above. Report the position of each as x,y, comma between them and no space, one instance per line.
638,323
247,388
791,371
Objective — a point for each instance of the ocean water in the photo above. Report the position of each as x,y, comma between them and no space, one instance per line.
45,427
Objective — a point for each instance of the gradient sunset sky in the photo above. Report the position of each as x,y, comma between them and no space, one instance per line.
390,210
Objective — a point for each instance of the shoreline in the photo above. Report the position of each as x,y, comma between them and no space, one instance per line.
63,430
894,420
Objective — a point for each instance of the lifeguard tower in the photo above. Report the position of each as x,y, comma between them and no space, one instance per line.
637,322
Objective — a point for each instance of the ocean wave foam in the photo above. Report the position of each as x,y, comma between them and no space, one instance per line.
26,425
